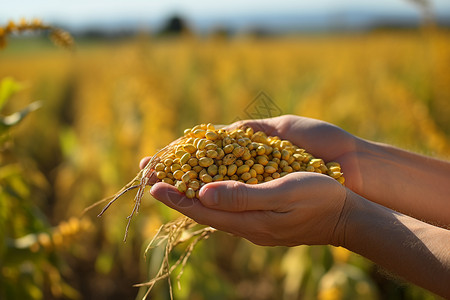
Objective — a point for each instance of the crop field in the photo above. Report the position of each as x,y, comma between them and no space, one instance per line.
109,103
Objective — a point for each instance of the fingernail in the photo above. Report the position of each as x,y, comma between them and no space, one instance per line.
208,197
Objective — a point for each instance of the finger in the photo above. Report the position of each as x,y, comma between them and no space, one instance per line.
144,162
237,196
239,223
270,125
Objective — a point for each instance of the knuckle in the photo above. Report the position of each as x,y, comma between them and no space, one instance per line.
239,196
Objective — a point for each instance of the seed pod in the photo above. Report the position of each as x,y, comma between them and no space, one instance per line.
262,160
258,168
268,148
187,131
181,186
185,178
242,169
218,177
228,148
161,174
211,153
231,169
205,162
192,174
285,154
252,181
222,170
238,151
270,169
234,177
213,170
335,174
184,159
298,157
291,160
246,176
211,146
250,162
199,133
315,162
180,153
190,193
220,153
178,174
186,168
288,169
168,162
193,161
211,135
189,148
206,178
159,167
167,180
246,155
194,184
201,144
197,169
226,141
283,163
295,166
175,167
229,159
260,150
335,168
272,164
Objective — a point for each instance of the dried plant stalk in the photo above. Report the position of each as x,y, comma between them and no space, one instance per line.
58,36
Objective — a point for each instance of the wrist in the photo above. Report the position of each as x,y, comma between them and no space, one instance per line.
340,230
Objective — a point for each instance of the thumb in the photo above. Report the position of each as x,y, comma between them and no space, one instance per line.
238,196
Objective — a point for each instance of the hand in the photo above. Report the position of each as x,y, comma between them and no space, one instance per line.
321,139
300,208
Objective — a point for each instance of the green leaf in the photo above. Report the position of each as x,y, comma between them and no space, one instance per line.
15,118
8,87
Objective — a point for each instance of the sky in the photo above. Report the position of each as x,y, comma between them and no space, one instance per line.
97,12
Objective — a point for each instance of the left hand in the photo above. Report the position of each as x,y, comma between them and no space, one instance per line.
299,208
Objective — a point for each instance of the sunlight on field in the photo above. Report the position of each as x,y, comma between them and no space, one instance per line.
109,104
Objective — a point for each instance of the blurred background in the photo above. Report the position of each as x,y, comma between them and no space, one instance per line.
142,72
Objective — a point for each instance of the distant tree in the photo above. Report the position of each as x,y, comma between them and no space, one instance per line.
175,25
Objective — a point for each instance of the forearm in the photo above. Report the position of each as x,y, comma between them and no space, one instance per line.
414,250
416,185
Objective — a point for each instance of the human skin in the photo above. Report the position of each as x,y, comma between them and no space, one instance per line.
382,213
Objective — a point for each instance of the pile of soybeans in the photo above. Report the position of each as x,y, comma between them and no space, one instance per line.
206,154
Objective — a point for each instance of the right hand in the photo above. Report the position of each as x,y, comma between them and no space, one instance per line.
321,139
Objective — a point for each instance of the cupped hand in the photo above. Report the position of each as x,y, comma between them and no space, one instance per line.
321,139
300,208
